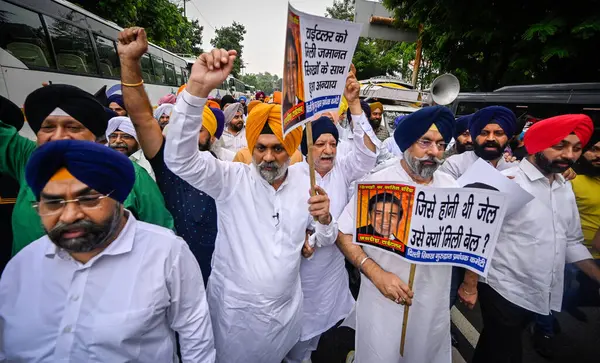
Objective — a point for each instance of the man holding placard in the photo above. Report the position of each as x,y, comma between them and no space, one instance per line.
422,136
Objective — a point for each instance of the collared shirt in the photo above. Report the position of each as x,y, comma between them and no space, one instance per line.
379,319
529,261
194,212
457,165
391,146
124,305
139,158
144,201
234,142
587,195
254,291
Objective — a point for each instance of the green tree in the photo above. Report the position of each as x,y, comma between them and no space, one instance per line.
163,21
231,37
265,82
491,44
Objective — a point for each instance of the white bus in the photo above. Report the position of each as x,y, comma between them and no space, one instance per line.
54,41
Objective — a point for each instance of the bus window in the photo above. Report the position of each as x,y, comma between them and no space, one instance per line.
73,47
159,70
179,77
23,36
170,74
147,69
109,61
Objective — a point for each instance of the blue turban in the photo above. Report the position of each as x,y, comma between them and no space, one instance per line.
99,167
462,125
242,98
365,107
415,125
493,114
116,98
220,116
322,125
398,119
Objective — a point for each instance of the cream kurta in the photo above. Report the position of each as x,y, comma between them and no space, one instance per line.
379,319
254,290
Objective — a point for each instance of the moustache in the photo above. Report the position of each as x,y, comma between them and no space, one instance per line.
61,228
117,145
493,144
269,164
432,159
569,162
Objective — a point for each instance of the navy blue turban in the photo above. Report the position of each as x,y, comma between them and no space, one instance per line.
77,103
322,125
502,116
415,125
365,107
462,125
116,98
11,114
220,116
99,167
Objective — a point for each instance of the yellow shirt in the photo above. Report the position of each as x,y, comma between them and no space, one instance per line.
587,194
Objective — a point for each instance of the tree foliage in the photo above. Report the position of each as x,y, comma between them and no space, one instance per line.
231,37
491,44
163,21
265,82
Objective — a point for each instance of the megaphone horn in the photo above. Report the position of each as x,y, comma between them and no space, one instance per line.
444,89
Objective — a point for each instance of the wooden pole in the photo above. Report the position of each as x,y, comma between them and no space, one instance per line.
419,51
309,158
411,279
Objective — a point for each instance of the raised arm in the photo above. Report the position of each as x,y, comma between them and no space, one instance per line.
200,169
132,46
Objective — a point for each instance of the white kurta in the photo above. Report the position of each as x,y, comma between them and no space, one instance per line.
254,289
327,297
124,305
139,158
457,165
233,142
379,319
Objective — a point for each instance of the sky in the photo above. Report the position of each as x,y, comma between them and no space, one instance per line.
265,22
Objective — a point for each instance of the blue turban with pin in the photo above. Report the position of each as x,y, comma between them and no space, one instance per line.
500,115
462,125
322,125
99,167
415,125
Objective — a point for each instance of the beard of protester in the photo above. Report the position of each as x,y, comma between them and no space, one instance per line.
118,145
94,235
461,148
271,171
584,166
552,166
238,126
489,154
204,146
419,166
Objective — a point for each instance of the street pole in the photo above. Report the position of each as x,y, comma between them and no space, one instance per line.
419,51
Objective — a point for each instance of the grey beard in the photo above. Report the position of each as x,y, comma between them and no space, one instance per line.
416,165
277,173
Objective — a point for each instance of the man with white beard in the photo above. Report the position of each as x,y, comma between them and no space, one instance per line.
422,137
327,297
254,290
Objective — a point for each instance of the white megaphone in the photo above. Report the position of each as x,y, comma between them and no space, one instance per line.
444,89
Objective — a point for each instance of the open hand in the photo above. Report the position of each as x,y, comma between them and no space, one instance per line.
318,206
209,71
132,43
392,287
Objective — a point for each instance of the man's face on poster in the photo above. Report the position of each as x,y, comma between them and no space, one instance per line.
291,68
385,218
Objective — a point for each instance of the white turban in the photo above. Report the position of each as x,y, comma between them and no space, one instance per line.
121,123
164,109
231,110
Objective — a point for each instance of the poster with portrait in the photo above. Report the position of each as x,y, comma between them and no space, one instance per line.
318,53
426,225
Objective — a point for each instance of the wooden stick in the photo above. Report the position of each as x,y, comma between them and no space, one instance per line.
411,279
419,51
311,162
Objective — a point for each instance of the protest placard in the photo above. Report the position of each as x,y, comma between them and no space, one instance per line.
426,225
318,53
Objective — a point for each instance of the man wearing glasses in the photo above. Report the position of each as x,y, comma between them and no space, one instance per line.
422,137
99,284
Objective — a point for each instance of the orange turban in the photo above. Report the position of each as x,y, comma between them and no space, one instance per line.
271,113
213,104
252,104
181,89
376,105
277,97
549,132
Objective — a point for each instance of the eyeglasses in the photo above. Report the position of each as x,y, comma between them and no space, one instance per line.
56,206
426,144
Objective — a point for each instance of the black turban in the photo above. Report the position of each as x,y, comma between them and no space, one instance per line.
227,99
415,125
99,167
11,114
322,125
77,103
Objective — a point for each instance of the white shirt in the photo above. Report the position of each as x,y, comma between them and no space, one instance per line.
457,165
139,158
379,319
124,305
254,288
325,284
391,146
528,264
223,154
234,142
